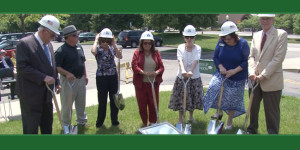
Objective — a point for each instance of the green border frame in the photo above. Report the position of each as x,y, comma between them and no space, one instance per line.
150,6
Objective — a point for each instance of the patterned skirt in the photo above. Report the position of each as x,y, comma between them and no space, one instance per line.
233,95
193,98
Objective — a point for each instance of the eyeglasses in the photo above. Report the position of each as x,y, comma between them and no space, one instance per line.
52,34
147,43
189,37
266,18
108,41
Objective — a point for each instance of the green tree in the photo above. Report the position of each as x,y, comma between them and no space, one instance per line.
284,21
179,21
31,22
115,22
81,21
26,22
251,22
296,24
157,21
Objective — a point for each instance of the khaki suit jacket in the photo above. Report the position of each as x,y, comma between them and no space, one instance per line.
268,62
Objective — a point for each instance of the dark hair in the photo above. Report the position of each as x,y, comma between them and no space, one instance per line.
232,35
152,49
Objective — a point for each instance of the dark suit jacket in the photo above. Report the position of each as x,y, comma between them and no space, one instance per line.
32,68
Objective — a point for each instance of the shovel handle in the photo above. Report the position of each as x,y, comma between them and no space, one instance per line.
184,100
154,98
250,104
119,71
220,97
56,106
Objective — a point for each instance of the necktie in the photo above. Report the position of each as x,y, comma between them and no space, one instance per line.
46,51
263,41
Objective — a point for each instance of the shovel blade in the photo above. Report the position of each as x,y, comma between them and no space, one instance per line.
74,129
160,128
119,101
186,130
214,128
69,129
179,126
66,129
240,132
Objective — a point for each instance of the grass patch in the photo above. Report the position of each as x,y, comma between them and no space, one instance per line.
130,120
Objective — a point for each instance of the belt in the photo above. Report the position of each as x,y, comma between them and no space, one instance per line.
78,77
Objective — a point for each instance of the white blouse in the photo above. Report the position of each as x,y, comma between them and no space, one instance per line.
188,58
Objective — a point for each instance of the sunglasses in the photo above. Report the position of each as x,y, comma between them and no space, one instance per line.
147,43
189,37
75,35
108,41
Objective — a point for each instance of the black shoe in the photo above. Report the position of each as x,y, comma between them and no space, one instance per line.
98,125
12,98
83,125
116,123
251,132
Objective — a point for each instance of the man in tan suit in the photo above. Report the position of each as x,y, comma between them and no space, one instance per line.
267,53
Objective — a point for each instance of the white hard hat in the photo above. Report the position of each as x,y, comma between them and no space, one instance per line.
227,28
147,36
51,23
266,15
106,33
189,30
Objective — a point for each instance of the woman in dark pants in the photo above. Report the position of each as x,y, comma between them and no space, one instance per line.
105,49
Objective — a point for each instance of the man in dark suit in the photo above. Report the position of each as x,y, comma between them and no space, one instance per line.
36,68
5,62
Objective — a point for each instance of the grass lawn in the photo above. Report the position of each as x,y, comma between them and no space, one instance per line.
130,120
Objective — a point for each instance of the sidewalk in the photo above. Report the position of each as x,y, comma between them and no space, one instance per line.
91,99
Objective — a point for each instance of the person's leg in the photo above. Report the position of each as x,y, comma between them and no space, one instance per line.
12,90
47,119
113,89
79,93
229,120
65,101
272,110
102,99
254,112
142,104
30,118
191,118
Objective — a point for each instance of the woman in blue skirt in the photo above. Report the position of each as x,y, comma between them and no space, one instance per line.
231,59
